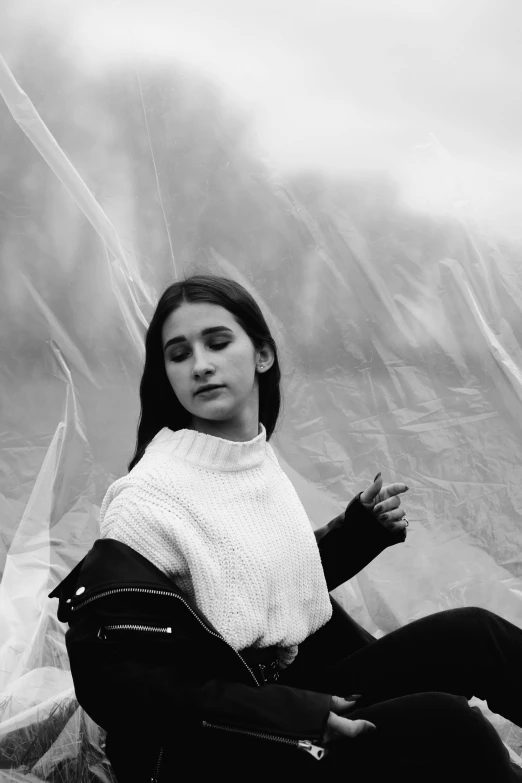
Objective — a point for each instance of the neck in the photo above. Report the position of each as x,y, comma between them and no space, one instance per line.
228,430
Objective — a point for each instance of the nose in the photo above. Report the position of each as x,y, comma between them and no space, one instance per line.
202,365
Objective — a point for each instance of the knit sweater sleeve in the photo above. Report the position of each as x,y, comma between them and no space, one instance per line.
133,513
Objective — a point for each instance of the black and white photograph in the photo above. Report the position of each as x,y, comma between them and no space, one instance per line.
261,391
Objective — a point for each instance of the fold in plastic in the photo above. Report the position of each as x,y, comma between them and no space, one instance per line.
399,337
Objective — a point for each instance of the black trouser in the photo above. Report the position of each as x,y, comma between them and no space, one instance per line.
415,683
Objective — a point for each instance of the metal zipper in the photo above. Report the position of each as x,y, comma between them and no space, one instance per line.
305,745
155,774
314,750
127,627
148,590
172,595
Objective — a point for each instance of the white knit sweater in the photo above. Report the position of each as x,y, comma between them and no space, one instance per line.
223,520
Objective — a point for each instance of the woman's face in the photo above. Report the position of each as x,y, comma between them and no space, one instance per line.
203,344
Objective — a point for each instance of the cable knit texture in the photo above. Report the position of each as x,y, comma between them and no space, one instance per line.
223,520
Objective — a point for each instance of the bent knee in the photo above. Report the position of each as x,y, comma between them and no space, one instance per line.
436,701
453,713
476,614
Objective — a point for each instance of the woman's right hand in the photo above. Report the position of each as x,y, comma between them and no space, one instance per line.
338,726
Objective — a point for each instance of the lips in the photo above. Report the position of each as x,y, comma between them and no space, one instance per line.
208,389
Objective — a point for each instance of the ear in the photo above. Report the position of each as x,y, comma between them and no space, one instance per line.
264,358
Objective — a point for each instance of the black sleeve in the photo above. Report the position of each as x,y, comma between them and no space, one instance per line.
352,540
117,686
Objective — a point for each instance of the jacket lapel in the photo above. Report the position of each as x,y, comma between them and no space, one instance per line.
108,565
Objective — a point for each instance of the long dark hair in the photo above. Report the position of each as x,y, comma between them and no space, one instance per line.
159,405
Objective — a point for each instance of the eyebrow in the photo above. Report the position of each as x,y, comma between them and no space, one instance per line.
204,332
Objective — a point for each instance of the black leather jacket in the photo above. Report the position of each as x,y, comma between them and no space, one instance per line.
151,670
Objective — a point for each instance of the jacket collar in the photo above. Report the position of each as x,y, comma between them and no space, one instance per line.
111,564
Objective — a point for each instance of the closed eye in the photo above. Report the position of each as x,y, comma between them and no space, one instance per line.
178,357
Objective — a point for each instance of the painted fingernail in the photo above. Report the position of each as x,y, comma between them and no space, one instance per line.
377,509
377,476
406,487
383,516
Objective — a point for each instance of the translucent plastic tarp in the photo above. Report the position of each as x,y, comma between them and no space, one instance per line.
400,334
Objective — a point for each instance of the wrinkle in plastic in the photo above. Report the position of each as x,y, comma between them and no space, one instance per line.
401,347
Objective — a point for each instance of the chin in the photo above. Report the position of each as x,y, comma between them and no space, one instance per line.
218,416
213,414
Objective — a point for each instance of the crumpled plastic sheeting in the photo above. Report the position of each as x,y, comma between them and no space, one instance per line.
400,339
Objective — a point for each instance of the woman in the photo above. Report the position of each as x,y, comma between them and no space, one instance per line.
202,635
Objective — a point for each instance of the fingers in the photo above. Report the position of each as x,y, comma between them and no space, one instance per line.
369,495
396,489
341,705
394,520
388,491
396,527
388,511
345,727
387,505
356,727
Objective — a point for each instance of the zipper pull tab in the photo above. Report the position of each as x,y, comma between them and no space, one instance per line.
314,750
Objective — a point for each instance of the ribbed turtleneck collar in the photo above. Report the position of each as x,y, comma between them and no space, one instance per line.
209,451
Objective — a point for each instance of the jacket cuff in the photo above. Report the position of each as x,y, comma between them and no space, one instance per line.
359,514
273,709
351,541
